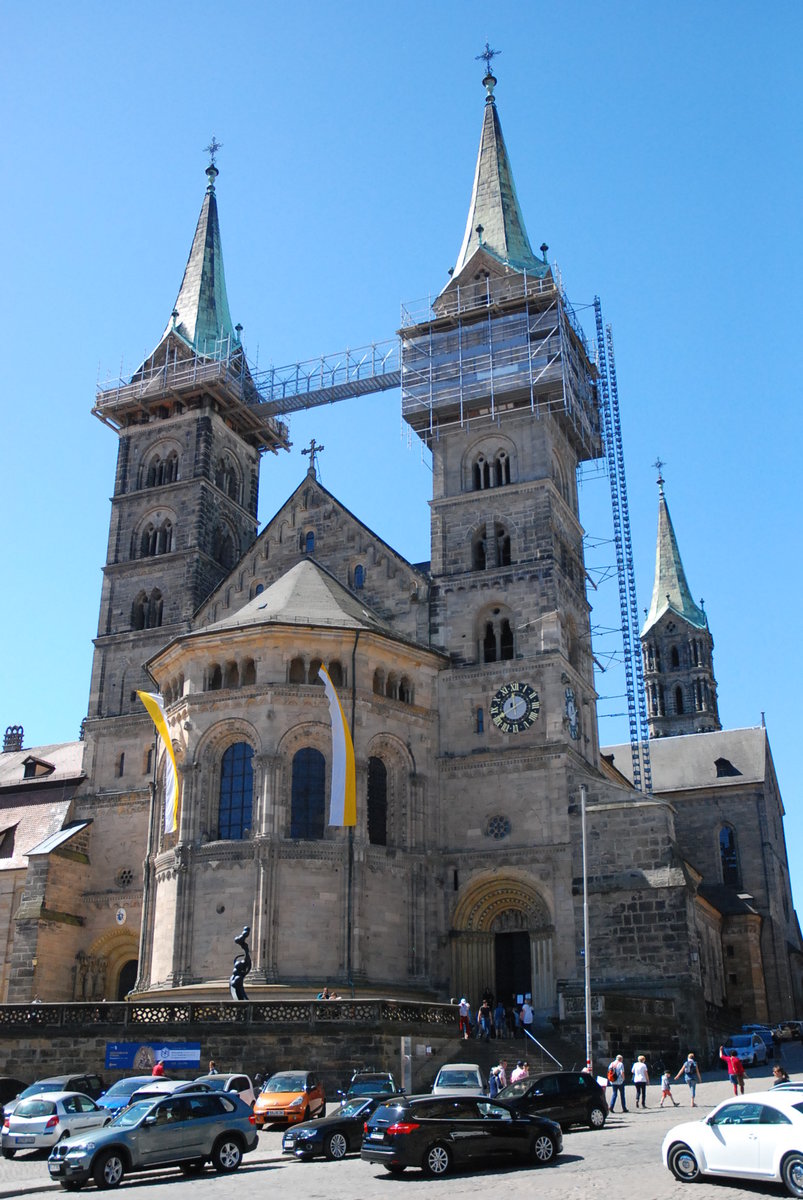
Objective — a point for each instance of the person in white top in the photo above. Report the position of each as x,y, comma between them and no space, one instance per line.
465,1019
641,1077
520,1071
526,1016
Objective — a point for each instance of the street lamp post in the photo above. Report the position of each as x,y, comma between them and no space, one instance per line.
586,955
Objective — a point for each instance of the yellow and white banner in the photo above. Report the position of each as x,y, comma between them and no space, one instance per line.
343,800
156,710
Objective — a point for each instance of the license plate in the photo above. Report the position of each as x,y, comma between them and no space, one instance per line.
55,1168
24,1139
290,1142
376,1137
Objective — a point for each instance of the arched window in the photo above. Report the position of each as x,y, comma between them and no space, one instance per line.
392,686
731,875
298,672
359,578
232,677
336,673
153,613
377,802
506,640
679,700
236,792
248,673
139,611
497,638
674,659
501,469
481,474
307,801
215,679
314,668
223,547
502,539
405,690
489,644
308,542
379,682
478,551
227,479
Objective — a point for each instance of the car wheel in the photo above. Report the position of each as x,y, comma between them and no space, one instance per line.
792,1174
336,1147
227,1154
543,1149
109,1169
683,1164
437,1161
596,1117
9,1153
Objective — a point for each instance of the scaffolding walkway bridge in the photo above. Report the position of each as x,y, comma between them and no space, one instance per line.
330,378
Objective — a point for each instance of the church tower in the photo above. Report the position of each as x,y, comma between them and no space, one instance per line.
498,382
676,645
184,507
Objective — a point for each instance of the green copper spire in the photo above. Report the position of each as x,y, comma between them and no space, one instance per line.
670,590
495,222
201,312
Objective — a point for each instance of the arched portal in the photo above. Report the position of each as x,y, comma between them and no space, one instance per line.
502,939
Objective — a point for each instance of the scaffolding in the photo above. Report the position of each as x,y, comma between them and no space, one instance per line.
510,341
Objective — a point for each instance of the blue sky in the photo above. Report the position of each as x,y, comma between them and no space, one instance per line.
656,149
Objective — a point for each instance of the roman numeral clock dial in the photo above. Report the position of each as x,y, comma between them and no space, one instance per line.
515,707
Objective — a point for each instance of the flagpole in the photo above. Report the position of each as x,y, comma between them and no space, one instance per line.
586,939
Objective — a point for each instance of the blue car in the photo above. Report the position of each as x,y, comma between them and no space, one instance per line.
118,1096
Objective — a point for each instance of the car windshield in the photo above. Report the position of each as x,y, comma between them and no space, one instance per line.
35,1108
131,1115
515,1089
353,1108
457,1079
291,1081
742,1039
370,1087
215,1083
124,1087
37,1088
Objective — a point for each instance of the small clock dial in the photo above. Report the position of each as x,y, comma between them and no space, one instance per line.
515,707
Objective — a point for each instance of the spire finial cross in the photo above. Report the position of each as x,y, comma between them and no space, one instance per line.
487,55
313,450
212,149
659,464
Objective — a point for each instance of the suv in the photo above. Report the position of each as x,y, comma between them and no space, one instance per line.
568,1097
437,1133
183,1130
370,1083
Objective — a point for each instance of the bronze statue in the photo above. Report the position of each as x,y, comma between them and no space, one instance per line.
242,965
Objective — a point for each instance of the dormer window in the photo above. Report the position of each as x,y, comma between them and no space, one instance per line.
34,768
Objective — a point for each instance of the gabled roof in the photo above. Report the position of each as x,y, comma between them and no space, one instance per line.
305,595
670,589
494,204
689,762
202,318
65,759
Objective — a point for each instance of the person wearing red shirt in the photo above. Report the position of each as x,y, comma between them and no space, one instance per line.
735,1070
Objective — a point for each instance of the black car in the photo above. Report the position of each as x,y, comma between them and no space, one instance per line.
437,1133
333,1136
370,1083
568,1097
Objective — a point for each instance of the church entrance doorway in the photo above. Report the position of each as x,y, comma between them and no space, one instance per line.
127,979
513,965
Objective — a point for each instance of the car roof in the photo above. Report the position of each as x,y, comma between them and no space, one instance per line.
56,1096
461,1067
783,1097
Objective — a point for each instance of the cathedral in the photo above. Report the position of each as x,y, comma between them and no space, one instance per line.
467,683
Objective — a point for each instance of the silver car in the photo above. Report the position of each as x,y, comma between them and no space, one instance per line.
44,1120
463,1079
184,1130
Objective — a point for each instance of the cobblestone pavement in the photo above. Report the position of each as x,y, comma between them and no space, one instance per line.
624,1158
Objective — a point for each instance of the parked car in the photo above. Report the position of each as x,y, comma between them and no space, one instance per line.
437,1133
459,1077
184,1130
335,1135
370,1083
749,1047
10,1088
87,1085
788,1031
747,1137
765,1033
43,1120
290,1096
568,1097
241,1085
154,1089
120,1093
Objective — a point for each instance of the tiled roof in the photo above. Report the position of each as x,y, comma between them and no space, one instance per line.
67,759
32,820
689,762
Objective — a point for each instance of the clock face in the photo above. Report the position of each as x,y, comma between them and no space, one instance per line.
515,707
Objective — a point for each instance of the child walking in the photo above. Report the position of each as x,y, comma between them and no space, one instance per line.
666,1089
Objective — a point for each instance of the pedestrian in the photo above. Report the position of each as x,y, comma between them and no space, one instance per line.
158,1068
520,1071
641,1077
212,1067
735,1069
616,1078
526,1016
691,1073
666,1090
464,1019
494,1087
484,1018
779,1075
501,1071
499,1019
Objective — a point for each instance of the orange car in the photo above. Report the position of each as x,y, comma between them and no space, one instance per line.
290,1096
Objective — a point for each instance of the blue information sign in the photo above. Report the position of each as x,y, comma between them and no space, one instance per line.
141,1056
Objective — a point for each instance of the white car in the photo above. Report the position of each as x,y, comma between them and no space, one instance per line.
40,1121
747,1137
749,1047
241,1084
463,1078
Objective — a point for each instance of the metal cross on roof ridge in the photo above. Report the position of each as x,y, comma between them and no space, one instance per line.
212,149
487,55
313,450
